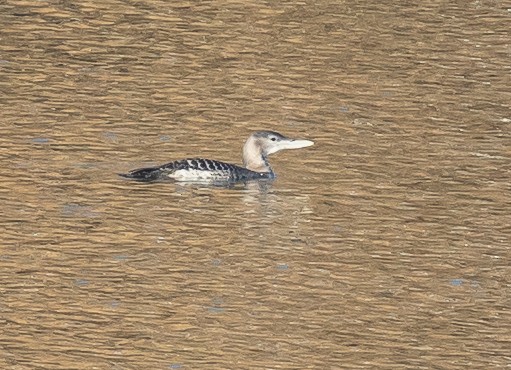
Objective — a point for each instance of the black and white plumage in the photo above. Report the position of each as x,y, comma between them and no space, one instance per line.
197,169
255,160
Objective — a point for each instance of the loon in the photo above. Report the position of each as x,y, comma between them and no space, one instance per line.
255,163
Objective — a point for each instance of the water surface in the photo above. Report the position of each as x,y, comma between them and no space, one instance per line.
386,245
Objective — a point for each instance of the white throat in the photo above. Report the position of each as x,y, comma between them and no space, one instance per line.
253,156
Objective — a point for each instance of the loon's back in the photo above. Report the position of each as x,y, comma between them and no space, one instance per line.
197,169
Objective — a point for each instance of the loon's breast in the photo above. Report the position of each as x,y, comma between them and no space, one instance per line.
198,169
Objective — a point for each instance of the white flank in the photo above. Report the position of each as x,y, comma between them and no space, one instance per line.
197,175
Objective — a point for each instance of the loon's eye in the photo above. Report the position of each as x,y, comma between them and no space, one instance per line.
273,138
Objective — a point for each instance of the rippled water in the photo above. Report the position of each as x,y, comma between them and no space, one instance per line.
386,245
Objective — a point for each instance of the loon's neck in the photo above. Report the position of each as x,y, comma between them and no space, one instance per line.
253,157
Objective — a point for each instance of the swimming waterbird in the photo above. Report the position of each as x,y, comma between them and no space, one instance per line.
256,150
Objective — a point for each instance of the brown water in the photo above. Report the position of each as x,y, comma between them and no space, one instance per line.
385,246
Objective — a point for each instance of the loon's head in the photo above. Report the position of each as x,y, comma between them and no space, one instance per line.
263,143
